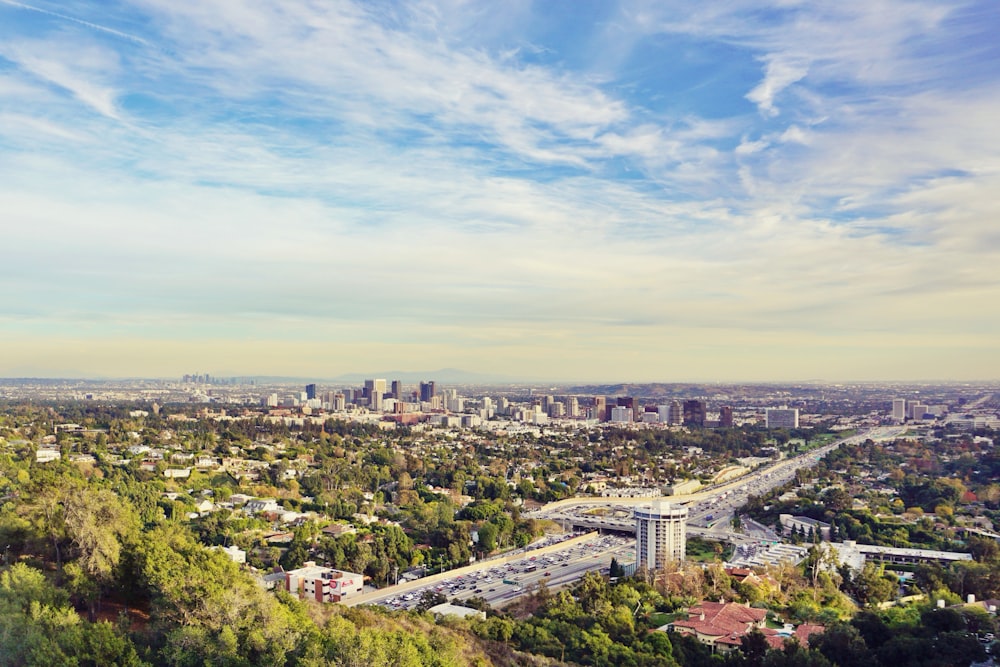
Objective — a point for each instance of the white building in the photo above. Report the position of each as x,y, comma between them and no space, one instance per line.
235,554
660,534
899,409
621,415
323,584
782,417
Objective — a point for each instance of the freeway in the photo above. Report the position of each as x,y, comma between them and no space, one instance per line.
502,580
757,482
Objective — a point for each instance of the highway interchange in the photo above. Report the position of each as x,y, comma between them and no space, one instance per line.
711,511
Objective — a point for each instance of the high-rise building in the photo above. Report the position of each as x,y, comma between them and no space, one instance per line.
427,391
621,415
726,417
782,417
917,410
600,409
572,407
310,392
397,389
899,409
375,390
630,403
694,413
660,534
676,413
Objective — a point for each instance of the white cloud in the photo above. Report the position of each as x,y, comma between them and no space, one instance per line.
302,171
779,74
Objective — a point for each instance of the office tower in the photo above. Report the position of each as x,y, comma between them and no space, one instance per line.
272,401
917,411
338,403
600,409
621,415
572,407
676,413
630,403
373,387
375,390
694,413
782,417
660,534
397,389
899,409
663,413
726,417
557,410
547,401
503,405
310,392
427,391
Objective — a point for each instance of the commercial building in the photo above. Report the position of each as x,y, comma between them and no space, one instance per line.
323,584
694,413
899,409
726,416
427,391
782,417
310,392
375,391
601,409
621,415
660,534
675,413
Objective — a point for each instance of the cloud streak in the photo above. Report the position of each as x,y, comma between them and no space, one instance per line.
299,172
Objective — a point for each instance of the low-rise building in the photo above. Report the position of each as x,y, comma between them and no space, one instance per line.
323,584
805,525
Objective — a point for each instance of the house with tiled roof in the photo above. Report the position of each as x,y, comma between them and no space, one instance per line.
720,625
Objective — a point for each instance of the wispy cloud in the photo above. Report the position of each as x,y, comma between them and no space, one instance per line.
346,171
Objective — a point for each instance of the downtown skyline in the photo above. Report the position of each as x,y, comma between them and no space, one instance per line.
573,191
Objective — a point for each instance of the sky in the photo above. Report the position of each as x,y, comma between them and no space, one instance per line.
561,190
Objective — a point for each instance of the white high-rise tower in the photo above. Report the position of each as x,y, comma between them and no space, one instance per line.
660,534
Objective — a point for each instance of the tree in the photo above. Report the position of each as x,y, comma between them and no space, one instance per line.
488,537
842,644
96,523
873,584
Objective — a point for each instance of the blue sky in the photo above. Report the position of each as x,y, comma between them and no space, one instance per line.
555,190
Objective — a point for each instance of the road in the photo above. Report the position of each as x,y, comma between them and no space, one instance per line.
721,500
560,566
555,564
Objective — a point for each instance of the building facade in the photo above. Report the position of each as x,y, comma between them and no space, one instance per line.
323,584
782,417
694,413
660,534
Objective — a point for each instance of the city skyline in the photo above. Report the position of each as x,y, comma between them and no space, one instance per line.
587,191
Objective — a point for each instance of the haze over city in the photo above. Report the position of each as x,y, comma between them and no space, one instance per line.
574,191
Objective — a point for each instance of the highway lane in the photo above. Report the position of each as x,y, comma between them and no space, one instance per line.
758,481
570,566
556,567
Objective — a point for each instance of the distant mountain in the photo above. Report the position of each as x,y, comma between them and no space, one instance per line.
441,376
